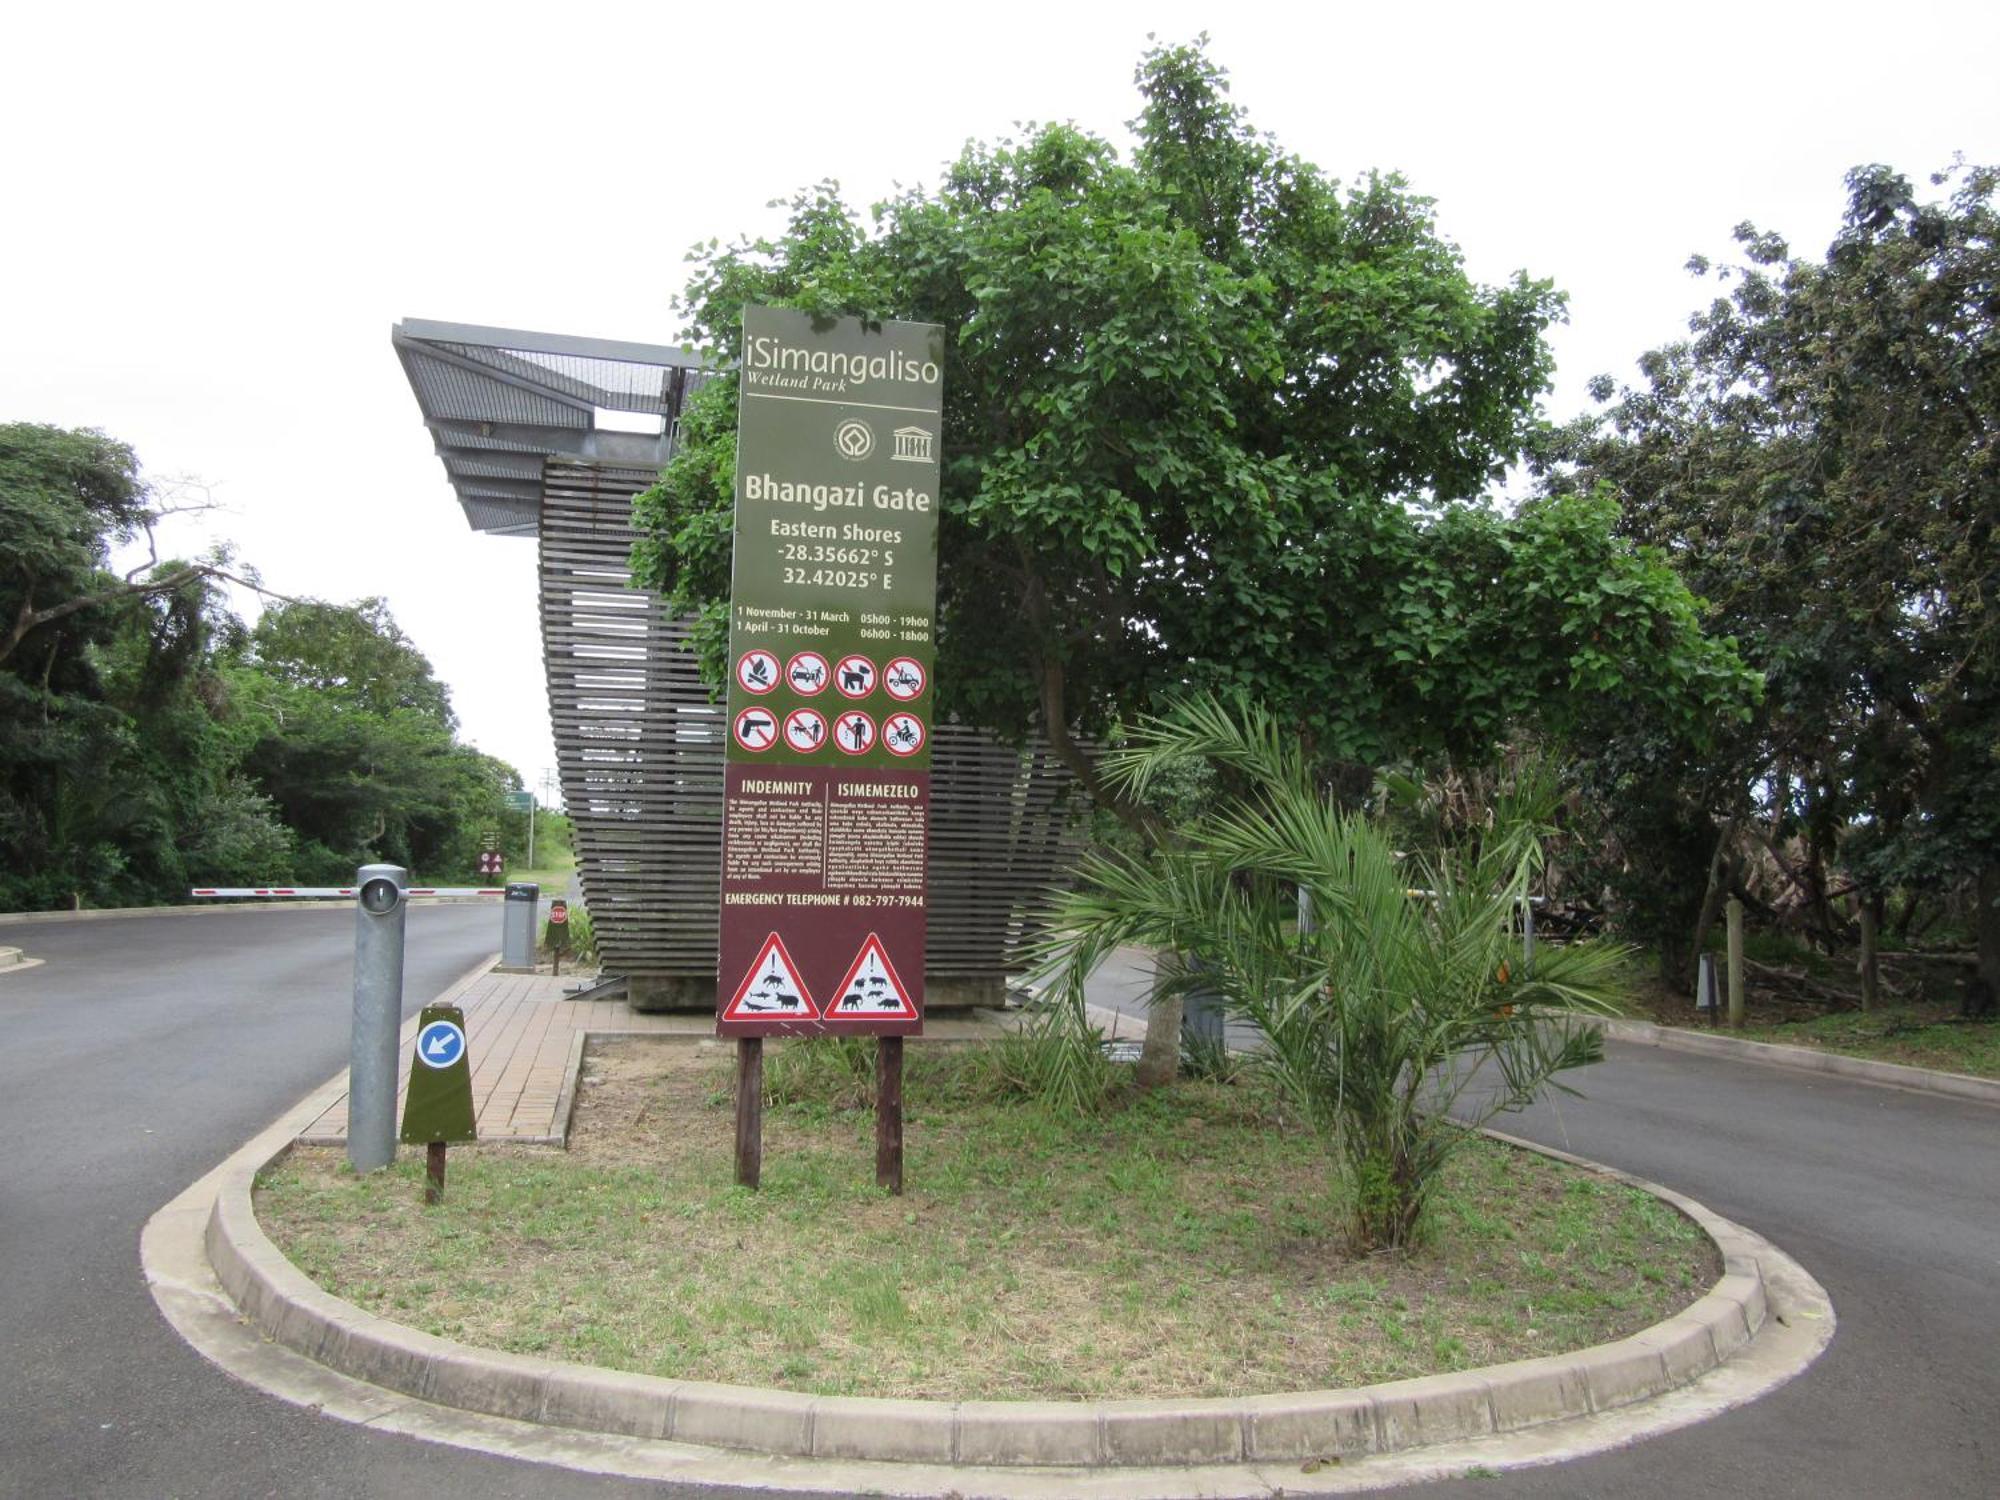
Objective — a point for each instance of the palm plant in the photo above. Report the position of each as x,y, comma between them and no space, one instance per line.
1401,1015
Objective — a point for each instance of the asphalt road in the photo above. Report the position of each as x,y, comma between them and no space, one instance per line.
144,1051
149,1048
1890,1199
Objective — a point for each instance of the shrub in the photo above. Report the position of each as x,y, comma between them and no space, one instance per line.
1400,1016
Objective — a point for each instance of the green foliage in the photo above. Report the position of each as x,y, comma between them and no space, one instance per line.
1402,1004
149,741
578,935
821,1073
1213,420
351,736
1819,458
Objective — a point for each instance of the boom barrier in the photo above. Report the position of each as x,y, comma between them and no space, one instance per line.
335,892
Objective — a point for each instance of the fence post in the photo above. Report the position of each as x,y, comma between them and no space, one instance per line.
1735,929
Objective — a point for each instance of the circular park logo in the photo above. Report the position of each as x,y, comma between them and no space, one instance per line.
854,439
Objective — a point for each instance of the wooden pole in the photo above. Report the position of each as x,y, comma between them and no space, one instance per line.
1871,969
749,1110
434,1173
1735,915
889,1114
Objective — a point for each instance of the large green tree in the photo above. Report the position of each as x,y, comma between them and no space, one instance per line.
349,732
1213,421
1822,459
149,741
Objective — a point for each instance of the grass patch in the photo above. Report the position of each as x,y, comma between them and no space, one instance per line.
1922,1031
1182,1245
1920,1036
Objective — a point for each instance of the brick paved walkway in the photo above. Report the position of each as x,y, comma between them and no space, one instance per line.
526,1042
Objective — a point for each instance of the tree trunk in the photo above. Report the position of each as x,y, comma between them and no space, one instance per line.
1986,922
1720,868
1901,925
1055,725
1160,1058
1871,970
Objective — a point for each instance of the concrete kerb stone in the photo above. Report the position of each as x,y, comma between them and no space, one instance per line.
1805,1060
1386,1418
14,961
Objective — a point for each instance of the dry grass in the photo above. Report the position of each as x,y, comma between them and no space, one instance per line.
1177,1247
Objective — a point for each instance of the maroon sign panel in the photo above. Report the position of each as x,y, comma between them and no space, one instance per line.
823,901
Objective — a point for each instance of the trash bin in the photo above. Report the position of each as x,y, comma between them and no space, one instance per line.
1202,1018
517,930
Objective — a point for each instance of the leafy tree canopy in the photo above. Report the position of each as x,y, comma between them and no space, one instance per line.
1822,459
1215,421
149,741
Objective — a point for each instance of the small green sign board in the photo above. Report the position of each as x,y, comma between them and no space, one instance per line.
439,1107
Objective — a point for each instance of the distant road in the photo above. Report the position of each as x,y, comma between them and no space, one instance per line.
1890,1199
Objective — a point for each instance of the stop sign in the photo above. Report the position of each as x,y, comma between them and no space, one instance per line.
558,913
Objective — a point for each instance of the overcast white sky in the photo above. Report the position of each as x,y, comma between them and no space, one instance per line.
211,215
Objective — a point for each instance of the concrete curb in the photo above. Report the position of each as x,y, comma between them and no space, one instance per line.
279,1301
13,961
1805,1060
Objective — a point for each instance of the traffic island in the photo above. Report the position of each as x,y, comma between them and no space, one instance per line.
1761,1321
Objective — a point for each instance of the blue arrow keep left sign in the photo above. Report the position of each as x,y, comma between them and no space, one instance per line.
440,1044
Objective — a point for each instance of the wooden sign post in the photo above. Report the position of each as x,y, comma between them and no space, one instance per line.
438,1108
829,712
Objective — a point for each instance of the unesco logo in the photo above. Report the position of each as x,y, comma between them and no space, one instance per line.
854,439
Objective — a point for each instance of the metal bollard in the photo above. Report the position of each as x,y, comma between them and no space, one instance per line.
518,912
378,1015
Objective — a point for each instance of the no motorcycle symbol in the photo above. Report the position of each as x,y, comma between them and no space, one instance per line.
903,734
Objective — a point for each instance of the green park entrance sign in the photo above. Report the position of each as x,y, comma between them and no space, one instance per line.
829,715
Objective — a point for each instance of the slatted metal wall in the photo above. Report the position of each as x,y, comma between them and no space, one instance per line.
640,750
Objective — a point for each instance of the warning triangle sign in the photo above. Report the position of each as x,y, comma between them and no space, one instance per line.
872,990
771,989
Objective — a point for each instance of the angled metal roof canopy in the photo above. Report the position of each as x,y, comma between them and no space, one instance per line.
501,402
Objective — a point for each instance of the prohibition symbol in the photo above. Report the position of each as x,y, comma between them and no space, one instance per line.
808,673
756,729
872,990
757,671
903,679
771,987
855,677
854,732
903,734
440,1044
805,729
